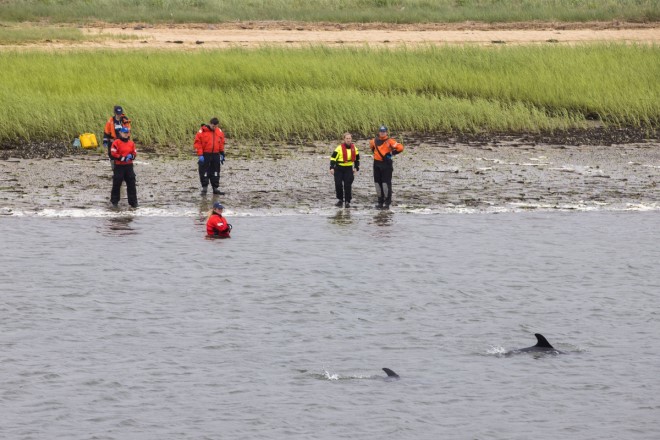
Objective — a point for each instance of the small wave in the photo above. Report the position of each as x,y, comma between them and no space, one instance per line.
496,350
326,375
330,376
99,212
182,211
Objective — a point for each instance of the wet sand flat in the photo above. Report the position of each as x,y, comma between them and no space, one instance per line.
497,176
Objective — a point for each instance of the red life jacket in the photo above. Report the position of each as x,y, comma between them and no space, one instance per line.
344,151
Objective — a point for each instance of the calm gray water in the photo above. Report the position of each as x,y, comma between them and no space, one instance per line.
138,328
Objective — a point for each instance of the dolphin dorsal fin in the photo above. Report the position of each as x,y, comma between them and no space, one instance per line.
390,373
541,341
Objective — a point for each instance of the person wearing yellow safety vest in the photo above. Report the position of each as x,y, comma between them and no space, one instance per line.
384,147
343,160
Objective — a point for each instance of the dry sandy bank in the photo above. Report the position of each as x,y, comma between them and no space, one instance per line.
254,34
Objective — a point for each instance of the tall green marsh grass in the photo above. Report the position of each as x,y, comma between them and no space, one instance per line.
320,92
381,11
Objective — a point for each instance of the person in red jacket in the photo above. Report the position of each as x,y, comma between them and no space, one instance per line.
112,127
216,225
123,152
210,148
384,147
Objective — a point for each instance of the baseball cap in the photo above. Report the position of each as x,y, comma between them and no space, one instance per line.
119,110
124,130
218,205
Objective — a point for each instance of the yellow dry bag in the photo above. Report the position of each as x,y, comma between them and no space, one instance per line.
88,140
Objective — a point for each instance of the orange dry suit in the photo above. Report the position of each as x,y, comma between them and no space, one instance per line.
112,128
217,226
208,140
210,145
384,147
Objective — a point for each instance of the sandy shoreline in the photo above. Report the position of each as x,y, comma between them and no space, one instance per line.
300,34
497,176
295,34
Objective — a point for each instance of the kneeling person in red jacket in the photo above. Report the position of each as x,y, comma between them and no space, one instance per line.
216,225
123,152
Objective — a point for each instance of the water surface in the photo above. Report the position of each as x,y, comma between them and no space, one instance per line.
134,327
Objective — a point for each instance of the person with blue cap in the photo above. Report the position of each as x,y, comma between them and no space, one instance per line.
216,225
123,152
384,148
112,127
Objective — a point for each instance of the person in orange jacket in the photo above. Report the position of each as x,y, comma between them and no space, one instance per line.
123,152
384,147
112,127
216,225
210,148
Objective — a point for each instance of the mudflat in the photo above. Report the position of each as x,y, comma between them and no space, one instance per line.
500,174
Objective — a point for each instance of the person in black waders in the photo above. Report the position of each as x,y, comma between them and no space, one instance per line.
343,160
384,147
112,127
123,152
210,148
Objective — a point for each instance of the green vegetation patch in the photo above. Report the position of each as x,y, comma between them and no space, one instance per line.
379,11
320,92
25,34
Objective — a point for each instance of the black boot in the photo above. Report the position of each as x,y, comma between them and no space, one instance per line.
339,204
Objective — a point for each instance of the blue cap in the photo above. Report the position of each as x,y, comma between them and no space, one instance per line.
119,110
124,130
382,128
218,205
